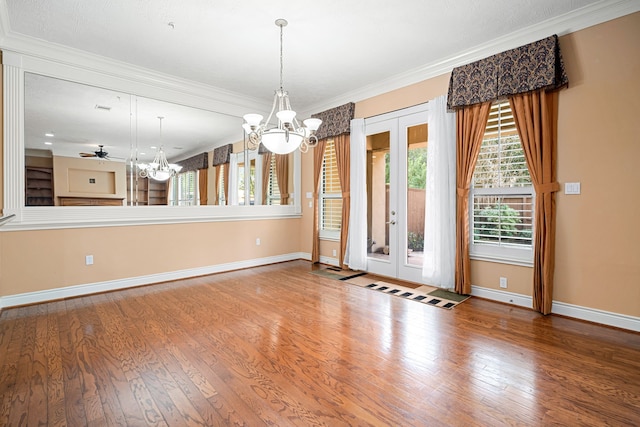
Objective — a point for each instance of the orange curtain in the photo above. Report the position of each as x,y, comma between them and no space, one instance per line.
318,156
282,172
203,185
471,122
536,117
216,184
343,161
266,168
226,183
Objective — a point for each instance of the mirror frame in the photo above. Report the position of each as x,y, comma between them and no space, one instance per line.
99,72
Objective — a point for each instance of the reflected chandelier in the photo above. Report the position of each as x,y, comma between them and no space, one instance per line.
160,169
289,134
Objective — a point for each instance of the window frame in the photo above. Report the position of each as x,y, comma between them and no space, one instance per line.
501,252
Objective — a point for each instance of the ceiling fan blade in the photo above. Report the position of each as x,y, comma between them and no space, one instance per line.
87,154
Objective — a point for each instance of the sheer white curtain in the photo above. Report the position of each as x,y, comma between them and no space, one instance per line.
438,268
233,179
356,252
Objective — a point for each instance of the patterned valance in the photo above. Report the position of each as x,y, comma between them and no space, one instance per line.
534,66
222,155
336,121
199,161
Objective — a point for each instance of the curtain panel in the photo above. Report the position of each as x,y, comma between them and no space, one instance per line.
199,161
536,114
203,186
336,121
470,125
282,173
531,67
266,167
356,249
343,162
216,185
318,156
439,254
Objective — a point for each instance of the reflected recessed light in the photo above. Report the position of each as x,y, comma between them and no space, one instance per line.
142,154
48,143
50,135
153,147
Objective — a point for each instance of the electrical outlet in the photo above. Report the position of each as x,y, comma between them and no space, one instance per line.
503,282
334,252
257,241
88,260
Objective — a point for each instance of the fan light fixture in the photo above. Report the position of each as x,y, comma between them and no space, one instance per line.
160,169
289,134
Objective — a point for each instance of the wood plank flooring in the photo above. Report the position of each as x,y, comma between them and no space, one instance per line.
276,345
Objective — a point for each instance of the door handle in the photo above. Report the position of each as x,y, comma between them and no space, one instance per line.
392,222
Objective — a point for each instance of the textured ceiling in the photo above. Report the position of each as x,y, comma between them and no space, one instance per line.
331,47
335,51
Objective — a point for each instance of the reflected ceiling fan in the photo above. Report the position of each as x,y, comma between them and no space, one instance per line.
101,154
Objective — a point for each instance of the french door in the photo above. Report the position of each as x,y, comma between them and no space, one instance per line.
396,178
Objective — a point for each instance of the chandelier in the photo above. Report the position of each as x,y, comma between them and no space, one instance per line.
289,134
160,169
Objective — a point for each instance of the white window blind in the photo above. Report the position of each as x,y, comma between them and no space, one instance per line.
184,189
330,195
502,194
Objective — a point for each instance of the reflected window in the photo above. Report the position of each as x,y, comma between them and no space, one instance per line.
183,189
273,189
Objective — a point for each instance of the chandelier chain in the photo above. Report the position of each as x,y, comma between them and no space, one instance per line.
281,60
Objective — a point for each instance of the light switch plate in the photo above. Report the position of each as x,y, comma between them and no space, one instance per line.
571,188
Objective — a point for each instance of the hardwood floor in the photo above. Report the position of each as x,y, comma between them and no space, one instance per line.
276,345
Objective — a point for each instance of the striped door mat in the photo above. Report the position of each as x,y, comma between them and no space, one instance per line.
421,293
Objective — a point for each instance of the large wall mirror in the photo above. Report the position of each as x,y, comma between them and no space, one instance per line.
79,143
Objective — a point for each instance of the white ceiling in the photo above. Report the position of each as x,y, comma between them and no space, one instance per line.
335,51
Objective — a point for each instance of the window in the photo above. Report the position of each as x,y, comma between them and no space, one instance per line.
183,189
330,197
273,189
241,177
502,194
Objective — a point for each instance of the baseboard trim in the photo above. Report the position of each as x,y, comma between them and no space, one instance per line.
502,296
561,308
112,285
329,261
598,316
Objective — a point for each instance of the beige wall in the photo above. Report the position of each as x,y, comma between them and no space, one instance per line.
71,178
598,250
48,259
598,255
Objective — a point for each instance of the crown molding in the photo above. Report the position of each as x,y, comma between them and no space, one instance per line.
237,104
578,19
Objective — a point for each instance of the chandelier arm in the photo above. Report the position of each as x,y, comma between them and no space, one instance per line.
273,109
